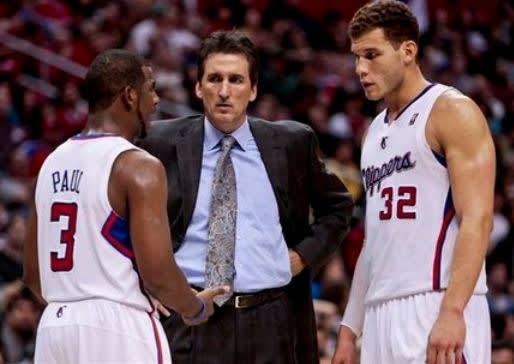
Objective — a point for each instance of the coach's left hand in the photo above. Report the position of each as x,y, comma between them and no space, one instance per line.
296,262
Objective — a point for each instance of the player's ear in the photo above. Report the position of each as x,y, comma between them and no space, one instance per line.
410,51
129,97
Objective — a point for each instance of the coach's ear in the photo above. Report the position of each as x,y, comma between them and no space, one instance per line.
198,90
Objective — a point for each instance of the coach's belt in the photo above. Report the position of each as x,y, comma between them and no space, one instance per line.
246,300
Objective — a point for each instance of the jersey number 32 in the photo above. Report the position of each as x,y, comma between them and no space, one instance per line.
405,198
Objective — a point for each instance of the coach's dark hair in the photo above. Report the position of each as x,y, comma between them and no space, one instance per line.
110,72
394,17
229,42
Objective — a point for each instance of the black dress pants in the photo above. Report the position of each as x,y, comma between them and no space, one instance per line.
262,334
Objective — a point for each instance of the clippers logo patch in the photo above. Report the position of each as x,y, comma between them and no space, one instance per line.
413,118
60,311
383,142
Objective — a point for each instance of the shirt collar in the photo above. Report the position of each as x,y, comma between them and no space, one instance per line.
212,137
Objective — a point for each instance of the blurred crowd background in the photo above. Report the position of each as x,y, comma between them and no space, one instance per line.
306,74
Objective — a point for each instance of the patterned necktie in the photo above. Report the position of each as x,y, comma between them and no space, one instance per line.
219,268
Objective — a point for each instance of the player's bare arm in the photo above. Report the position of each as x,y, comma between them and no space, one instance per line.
353,319
30,259
458,130
140,179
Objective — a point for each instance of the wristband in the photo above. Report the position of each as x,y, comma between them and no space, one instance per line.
200,316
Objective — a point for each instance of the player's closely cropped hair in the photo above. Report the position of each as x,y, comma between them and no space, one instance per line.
395,18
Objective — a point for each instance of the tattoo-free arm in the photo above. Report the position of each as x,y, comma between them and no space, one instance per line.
145,181
30,253
462,133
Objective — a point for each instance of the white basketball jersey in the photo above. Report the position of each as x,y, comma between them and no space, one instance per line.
84,248
411,227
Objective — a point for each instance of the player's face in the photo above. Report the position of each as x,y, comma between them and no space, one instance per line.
226,90
378,64
149,98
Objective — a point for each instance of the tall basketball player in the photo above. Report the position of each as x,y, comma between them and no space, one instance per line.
98,237
428,165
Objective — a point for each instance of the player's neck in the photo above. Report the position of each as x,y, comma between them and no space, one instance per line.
103,123
410,88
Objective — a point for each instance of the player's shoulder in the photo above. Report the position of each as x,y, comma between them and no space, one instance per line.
456,117
137,161
453,103
136,172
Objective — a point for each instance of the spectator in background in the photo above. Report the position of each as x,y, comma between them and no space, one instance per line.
344,167
11,258
500,302
72,113
16,182
503,352
18,328
11,130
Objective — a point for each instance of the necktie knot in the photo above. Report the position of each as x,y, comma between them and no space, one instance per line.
227,142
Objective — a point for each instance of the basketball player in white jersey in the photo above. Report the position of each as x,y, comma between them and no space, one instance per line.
428,164
98,236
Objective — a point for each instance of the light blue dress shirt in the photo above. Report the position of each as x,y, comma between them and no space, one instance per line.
261,254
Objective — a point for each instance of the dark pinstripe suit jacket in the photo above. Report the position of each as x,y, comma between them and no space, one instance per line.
299,181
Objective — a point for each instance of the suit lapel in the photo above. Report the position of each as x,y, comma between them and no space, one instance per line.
274,157
189,155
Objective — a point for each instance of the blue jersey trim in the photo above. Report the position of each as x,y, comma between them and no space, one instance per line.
440,158
92,136
116,232
425,90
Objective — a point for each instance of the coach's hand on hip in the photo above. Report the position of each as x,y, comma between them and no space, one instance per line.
296,261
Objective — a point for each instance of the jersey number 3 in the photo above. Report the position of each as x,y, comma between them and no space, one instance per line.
406,197
68,210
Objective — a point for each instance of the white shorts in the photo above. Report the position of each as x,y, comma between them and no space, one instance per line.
396,331
99,331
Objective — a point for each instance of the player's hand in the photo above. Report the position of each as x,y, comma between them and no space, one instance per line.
346,351
207,295
159,306
446,340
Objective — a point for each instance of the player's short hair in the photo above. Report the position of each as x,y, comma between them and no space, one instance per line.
229,42
393,17
110,72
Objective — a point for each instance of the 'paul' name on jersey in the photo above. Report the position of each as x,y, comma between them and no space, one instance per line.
66,180
373,176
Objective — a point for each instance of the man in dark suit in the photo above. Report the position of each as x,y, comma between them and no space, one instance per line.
240,193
